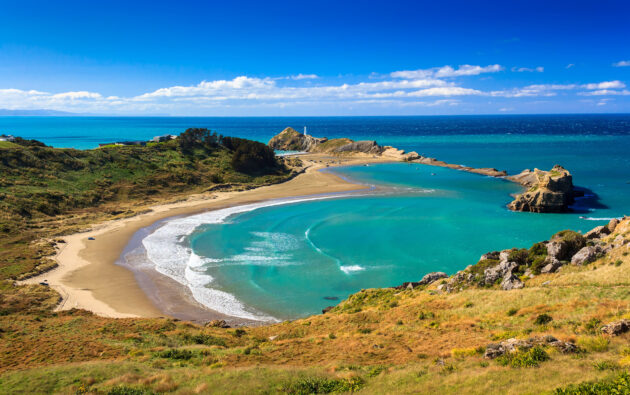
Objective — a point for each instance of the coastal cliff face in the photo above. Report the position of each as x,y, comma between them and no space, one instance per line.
548,191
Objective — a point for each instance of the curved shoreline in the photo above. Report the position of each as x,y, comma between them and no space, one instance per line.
89,278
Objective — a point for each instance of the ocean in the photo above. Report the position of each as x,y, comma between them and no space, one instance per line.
288,259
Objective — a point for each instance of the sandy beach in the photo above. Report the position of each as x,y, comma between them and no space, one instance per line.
89,278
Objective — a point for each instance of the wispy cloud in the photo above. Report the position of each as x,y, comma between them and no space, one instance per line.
303,77
447,71
538,69
622,63
570,65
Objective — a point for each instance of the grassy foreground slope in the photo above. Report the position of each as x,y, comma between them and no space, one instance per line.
417,340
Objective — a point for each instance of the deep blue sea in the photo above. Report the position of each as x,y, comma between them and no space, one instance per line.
290,260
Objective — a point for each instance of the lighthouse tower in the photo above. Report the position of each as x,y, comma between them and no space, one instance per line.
306,134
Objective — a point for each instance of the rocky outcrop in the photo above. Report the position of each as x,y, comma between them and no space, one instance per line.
426,280
365,146
292,140
586,255
510,268
217,324
495,350
616,328
548,191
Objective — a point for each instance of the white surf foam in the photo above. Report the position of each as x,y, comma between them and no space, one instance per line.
599,219
351,268
167,249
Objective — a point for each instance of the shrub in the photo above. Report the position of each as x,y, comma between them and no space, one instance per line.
321,385
606,365
524,359
518,256
594,344
592,325
619,385
205,339
463,352
175,353
125,390
543,319
512,311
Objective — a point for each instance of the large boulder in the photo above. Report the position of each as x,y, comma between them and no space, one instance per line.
547,191
551,265
510,282
563,245
500,271
612,225
586,255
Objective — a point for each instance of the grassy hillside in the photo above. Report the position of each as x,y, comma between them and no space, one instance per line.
418,340
39,183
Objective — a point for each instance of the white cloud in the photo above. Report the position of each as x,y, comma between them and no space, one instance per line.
77,95
446,91
447,71
570,65
622,63
304,77
606,92
605,85
538,69
400,88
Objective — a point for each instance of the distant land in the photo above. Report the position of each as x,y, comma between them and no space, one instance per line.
36,113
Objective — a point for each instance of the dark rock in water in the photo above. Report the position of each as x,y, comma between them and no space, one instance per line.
327,309
217,324
616,328
331,298
548,191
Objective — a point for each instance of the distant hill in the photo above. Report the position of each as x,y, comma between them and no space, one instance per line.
35,113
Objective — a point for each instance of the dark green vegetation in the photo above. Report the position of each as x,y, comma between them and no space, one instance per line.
39,183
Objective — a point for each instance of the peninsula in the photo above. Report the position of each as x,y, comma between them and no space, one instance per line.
546,191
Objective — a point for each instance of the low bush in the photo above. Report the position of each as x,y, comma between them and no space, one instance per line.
322,385
524,359
543,319
618,385
594,344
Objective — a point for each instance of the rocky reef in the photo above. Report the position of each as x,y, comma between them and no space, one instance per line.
547,191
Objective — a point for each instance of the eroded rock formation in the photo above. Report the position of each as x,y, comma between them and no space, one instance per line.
547,191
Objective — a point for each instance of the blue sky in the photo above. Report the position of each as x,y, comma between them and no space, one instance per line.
315,57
